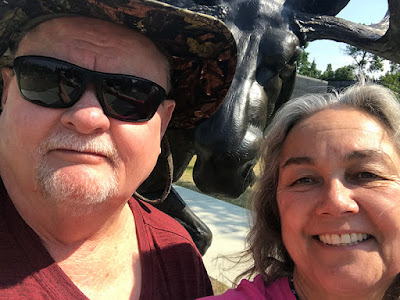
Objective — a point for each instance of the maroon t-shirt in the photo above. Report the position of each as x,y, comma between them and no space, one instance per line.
172,268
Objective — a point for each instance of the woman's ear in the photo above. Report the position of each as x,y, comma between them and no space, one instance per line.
7,75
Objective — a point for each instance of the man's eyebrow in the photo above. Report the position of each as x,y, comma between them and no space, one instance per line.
298,160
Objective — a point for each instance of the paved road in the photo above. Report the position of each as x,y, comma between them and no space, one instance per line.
229,224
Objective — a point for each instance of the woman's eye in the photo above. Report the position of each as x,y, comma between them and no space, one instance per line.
367,175
303,180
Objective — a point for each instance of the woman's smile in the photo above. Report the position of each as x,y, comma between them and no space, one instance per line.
340,240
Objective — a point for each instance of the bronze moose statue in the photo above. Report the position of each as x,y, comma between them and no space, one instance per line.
269,35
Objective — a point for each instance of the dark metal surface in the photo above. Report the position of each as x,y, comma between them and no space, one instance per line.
176,207
269,34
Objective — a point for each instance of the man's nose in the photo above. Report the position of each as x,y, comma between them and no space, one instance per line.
337,199
86,116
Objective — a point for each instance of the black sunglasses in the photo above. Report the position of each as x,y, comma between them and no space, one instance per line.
54,83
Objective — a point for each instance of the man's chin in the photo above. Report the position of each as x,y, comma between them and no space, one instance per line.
76,193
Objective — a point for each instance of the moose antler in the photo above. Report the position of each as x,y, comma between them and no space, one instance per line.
382,39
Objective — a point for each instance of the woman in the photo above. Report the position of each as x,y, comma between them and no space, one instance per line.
327,206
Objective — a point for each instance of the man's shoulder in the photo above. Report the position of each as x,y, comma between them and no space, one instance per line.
174,267
158,221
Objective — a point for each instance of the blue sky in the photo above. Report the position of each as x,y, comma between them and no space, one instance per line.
360,11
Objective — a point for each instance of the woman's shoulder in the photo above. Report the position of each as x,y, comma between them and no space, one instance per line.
256,289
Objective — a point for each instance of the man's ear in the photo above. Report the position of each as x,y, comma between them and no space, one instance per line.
7,75
168,109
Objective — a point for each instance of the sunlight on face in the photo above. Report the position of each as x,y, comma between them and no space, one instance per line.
78,157
76,193
338,196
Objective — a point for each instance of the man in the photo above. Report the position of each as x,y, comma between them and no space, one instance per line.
84,110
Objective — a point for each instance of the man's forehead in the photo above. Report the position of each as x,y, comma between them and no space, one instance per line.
97,45
97,30
62,33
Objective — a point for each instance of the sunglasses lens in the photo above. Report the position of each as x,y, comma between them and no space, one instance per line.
48,83
54,83
131,99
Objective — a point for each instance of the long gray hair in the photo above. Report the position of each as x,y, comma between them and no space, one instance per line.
264,239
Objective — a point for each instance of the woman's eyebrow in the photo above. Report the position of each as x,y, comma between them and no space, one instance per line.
298,160
368,154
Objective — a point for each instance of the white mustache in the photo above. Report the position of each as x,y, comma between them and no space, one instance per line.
71,141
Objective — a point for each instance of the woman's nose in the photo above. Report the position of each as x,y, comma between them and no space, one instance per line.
86,116
336,199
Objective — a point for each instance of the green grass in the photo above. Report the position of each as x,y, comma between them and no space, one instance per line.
218,287
186,181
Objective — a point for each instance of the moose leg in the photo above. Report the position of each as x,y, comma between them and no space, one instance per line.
176,207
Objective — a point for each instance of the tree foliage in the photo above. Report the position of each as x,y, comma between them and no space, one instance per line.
345,73
328,74
391,81
307,68
304,67
365,64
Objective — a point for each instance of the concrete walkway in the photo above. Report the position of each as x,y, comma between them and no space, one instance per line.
229,224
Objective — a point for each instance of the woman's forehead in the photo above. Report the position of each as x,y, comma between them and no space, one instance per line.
337,119
336,132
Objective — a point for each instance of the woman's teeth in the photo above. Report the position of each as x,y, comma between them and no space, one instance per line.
346,239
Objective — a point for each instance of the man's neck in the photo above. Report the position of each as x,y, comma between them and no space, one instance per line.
106,265
59,226
98,251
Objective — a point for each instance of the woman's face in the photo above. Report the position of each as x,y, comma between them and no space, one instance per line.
338,197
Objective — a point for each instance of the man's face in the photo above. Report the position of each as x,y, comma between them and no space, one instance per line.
77,158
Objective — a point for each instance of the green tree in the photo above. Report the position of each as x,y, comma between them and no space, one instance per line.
302,61
391,80
345,73
359,56
313,71
304,67
369,63
375,64
366,63
328,74
394,67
